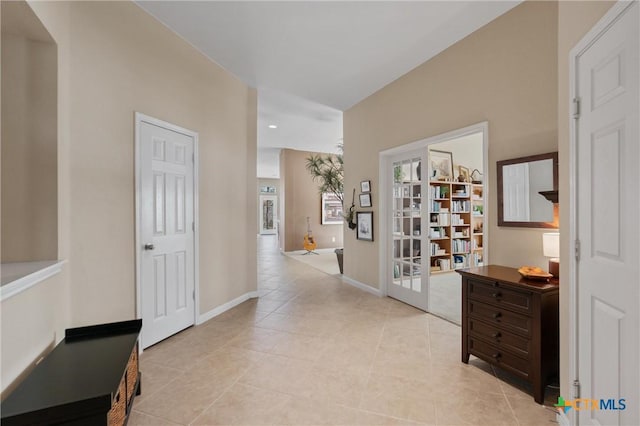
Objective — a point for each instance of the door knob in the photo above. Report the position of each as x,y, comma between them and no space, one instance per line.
149,246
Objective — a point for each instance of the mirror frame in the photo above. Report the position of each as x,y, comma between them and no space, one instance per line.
500,164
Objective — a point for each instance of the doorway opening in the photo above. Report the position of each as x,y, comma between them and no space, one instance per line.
433,209
456,222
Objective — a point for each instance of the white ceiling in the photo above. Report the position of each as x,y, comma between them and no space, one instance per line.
311,60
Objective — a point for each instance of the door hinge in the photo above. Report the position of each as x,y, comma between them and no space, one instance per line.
193,157
193,295
577,250
193,226
576,108
576,389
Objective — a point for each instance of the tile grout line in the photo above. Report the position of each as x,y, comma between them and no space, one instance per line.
154,416
224,392
504,394
375,354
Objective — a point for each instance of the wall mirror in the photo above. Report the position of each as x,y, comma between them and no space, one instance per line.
528,191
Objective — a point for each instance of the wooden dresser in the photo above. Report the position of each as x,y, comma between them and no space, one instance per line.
512,323
90,378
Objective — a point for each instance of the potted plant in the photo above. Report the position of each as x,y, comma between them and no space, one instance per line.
328,171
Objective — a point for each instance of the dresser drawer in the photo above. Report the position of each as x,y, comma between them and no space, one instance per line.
501,318
512,323
495,293
499,357
504,339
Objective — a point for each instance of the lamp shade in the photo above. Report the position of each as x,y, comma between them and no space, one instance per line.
551,244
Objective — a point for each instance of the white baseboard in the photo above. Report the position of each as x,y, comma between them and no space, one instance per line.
224,308
362,286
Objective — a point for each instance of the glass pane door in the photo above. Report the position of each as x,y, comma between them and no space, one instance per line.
408,279
268,214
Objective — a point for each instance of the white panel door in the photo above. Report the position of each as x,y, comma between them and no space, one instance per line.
166,230
268,214
608,215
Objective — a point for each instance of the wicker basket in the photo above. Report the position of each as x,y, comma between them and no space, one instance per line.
132,373
118,410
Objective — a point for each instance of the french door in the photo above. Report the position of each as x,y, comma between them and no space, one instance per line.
409,257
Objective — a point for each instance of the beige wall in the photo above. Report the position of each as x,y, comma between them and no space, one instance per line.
575,18
301,199
34,320
467,151
504,73
142,66
114,59
29,133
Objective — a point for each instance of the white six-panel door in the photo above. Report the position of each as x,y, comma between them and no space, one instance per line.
608,217
166,203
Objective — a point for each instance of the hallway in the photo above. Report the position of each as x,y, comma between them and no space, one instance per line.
313,350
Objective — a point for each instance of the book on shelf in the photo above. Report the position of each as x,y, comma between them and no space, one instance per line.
438,191
460,206
396,271
459,246
456,219
444,264
441,219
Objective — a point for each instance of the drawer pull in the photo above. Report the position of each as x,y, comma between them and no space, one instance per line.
496,355
496,295
496,335
497,315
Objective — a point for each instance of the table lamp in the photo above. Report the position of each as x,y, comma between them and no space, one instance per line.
551,249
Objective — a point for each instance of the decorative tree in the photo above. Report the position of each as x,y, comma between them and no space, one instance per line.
328,171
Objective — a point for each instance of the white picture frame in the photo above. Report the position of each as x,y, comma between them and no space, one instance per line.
331,209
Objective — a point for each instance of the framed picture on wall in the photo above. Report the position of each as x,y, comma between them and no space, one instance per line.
365,186
365,200
440,165
365,226
331,213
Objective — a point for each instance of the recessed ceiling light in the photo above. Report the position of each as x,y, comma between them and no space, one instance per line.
273,126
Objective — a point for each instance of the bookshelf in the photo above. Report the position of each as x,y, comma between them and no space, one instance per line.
456,225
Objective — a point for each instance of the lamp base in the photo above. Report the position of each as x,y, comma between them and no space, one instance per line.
554,267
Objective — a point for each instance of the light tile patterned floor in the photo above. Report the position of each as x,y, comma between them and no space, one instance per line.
314,351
